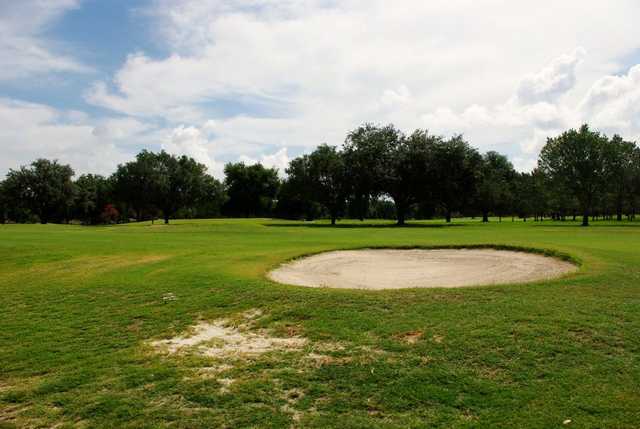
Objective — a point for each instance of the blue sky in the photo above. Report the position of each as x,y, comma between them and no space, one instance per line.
91,82
97,33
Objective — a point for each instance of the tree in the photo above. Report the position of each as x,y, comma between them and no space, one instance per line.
295,197
138,182
4,204
577,161
327,179
539,193
180,183
634,180
45,188
407,177
523,198
381,160
251,189
455,164
211,198
366,150
93,193
494,177
619,170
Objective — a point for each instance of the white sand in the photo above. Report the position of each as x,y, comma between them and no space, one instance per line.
398,268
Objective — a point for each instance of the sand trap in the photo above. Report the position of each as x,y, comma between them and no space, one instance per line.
399,268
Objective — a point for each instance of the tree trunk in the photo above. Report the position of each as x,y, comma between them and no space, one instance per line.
363,205
585,218
619,211
448,216
400,214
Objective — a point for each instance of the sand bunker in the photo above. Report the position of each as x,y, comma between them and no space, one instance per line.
424,268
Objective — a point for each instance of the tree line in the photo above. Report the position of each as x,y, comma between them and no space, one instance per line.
379,172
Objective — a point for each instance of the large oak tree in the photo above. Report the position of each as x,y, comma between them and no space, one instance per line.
577,160
45,188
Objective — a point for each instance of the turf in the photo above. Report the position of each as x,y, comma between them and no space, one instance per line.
78,306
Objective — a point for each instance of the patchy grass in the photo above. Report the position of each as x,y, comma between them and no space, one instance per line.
81,308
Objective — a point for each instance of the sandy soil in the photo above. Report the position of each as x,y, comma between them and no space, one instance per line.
395,268
221,338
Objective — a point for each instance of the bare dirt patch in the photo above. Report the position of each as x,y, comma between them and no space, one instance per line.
410,337
419,268
221,338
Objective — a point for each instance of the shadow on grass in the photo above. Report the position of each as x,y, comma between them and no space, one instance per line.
571,224
361,225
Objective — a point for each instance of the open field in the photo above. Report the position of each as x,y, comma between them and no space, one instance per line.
81,307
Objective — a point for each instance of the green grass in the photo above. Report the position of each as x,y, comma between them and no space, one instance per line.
79,304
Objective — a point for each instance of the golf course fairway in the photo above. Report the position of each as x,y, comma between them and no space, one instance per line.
178,325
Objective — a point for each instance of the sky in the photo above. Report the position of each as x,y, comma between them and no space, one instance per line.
92,82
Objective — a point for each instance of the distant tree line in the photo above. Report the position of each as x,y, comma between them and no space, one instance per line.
151,186
379,172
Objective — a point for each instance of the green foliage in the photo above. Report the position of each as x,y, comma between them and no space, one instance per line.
328,179
211,198
577,161
455,165
619,170
165,182
44,188
251,189
137,183
495,175
4,203
366,150
409,164
295,200
181,183
93,194
416,176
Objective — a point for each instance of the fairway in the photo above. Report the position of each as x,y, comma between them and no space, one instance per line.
88,315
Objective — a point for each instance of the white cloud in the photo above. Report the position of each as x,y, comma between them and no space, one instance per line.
613,104
260,79
120,128
278,160
192,142
29,131
552,81
24,50
461,66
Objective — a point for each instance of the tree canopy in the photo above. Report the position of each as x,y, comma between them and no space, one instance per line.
379,171
577,160
251,189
